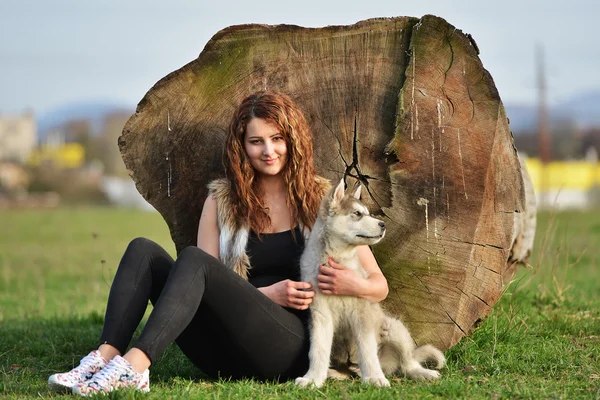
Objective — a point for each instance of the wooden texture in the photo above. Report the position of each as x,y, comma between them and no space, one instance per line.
402,104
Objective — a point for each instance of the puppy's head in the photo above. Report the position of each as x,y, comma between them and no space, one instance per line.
346,218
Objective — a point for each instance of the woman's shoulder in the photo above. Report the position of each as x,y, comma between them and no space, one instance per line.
220,190
219,186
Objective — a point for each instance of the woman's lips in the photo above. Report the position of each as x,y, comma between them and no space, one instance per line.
270,161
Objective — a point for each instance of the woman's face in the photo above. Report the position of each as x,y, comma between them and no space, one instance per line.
265,147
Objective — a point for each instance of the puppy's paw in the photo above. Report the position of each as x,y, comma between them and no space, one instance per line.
377,381
308,382
355,369
423,374
338,374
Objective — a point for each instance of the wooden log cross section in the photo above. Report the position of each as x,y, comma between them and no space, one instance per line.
402,104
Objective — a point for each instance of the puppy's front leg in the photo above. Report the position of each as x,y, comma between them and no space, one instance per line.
321,339
368,361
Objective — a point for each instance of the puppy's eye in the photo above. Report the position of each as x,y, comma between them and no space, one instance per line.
358,213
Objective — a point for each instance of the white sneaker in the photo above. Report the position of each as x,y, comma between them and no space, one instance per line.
87,367
117,374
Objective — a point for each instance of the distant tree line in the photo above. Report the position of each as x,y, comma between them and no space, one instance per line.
569,142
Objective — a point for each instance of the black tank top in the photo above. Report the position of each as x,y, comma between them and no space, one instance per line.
274,257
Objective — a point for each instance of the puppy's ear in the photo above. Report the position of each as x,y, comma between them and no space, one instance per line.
356,193
338,193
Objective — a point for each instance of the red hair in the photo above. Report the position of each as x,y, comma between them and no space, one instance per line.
303,192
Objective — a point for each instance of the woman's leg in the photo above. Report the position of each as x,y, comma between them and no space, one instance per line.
223,323
141,276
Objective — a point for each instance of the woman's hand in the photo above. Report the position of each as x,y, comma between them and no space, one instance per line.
290,294
336,279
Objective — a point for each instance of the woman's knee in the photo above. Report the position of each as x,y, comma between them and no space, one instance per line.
146,248
142,244
192,255
194,258
144,253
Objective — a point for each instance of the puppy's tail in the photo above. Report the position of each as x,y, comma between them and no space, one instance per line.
429,355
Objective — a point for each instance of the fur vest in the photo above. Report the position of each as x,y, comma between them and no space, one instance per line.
233,235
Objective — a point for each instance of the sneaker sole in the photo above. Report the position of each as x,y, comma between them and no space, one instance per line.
143,390
58,388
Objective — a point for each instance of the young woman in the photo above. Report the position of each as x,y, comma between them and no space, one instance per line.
234,304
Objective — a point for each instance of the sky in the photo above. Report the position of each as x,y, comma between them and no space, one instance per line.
58,52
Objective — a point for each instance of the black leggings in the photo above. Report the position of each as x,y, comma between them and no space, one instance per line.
222,323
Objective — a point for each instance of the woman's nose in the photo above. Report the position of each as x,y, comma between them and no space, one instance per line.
268,148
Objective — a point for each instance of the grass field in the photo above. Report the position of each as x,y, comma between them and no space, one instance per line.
541,341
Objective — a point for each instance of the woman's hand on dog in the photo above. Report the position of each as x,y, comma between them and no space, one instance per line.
336,279
290,294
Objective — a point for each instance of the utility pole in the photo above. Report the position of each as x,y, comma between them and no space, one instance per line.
544,141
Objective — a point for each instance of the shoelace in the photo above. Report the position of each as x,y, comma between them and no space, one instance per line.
104,377
85,363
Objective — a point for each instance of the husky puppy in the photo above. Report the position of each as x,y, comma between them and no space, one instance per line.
362,331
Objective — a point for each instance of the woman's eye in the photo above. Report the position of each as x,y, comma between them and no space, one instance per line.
277,139
255,142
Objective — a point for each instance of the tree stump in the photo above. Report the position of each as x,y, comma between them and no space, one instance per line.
402,104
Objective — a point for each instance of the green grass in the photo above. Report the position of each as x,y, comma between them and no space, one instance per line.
541,341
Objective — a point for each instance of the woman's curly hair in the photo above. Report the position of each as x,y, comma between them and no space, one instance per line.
303,191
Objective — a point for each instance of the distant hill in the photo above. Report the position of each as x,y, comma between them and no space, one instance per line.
584,109
92,110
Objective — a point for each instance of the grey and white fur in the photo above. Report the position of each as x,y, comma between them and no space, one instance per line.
346,328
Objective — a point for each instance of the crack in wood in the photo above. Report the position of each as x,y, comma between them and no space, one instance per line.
472,105
462,168
482,300
336,138
448,37
456,239
354,164
357,174
492,270
426,288
452,106
487,245
455,323
425,250
477,267
462,291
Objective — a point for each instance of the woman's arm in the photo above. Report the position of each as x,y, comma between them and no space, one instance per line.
208,229
336,279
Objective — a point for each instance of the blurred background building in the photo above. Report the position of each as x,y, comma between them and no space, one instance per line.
73,161
18,137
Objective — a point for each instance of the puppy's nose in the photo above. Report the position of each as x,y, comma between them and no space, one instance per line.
382,224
